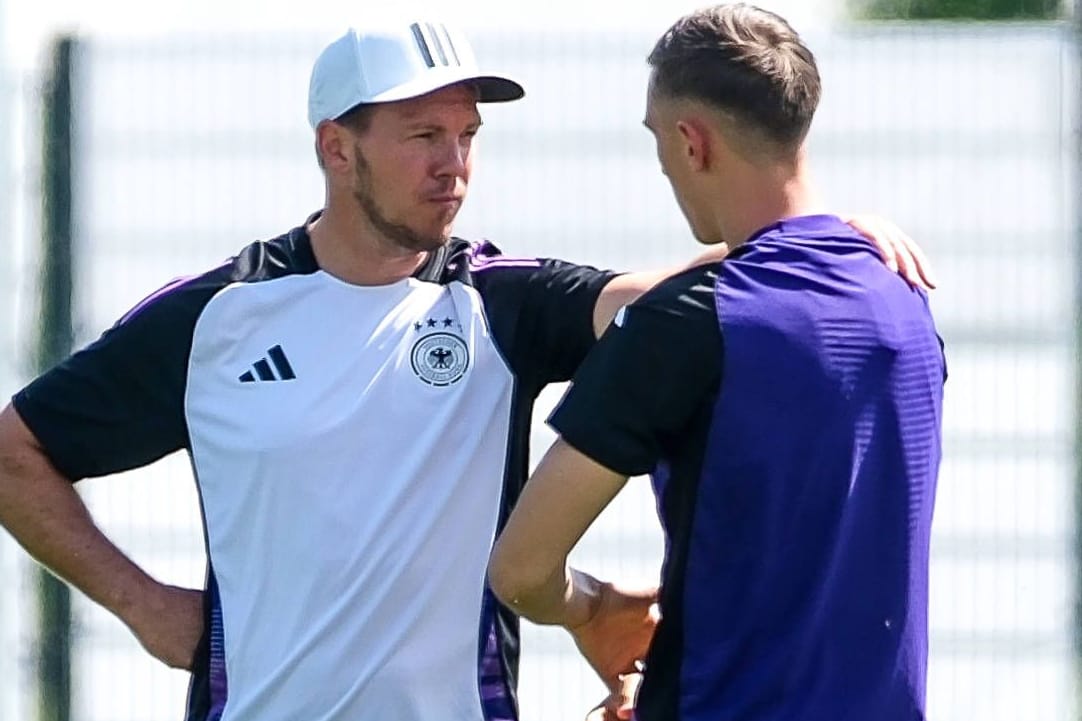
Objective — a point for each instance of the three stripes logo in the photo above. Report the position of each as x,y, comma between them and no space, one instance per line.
435,44
262,370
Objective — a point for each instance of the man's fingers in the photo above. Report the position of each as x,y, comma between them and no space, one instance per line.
924,266
911,262
624,699
899,252
906,265
882,240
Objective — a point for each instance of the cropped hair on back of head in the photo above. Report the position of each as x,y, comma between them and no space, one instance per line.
745,61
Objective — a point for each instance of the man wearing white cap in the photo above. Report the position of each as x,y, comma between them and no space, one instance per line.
355,398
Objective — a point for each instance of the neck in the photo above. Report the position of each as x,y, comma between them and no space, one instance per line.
759,195
347,246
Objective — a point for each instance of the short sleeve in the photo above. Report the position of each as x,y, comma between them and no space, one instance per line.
649,374
119,403
541,311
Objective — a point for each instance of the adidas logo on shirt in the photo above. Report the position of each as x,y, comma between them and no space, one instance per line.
262,370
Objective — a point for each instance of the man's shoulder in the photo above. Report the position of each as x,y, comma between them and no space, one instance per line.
485,257
286,254
691,289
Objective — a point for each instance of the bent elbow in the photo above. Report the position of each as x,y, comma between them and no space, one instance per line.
504,577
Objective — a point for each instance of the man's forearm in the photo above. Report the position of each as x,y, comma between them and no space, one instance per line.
566,598
43,512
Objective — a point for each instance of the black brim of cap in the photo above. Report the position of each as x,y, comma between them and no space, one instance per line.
494,89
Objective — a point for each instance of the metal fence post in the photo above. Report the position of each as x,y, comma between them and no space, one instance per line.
1075,113
54,343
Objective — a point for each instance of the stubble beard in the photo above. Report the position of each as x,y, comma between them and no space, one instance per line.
397,233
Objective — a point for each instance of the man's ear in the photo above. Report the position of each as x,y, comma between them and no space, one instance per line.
334,145
695,139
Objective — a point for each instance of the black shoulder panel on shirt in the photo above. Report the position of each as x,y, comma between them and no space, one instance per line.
649,376
689,293
449,263
288,254
118,403
541,310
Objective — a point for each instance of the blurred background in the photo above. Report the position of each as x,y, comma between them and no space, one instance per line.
140,142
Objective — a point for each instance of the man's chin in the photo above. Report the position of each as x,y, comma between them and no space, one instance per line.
433,242
442,236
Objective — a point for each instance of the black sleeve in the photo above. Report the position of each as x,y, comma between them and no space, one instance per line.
645,380
119,403
541,311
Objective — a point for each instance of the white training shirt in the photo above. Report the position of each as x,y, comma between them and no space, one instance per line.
355,448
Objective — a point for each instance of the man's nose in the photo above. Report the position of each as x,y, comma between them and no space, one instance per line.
454,159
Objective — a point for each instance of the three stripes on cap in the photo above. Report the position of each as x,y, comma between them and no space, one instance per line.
434,36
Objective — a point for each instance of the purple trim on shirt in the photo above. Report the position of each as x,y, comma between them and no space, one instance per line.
164,290
504,263
492,681
485,255
219,686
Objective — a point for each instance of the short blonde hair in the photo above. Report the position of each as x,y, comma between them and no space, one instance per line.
746,62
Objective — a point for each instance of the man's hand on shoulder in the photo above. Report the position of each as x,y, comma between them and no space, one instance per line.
900,252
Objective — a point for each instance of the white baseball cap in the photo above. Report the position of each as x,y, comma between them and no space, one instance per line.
384,63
